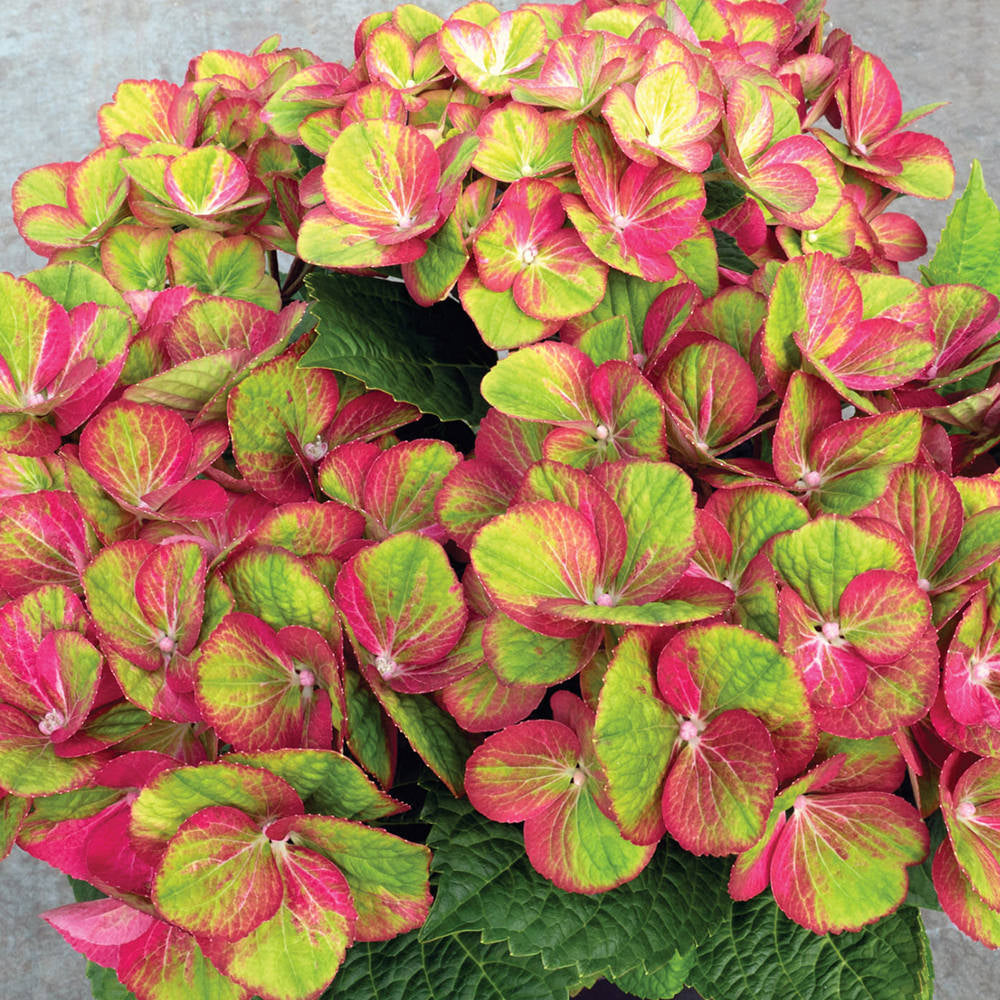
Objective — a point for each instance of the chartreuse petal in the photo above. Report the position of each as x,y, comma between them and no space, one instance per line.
840,862
633,737
403,602
519,655
429,730
327,781
971,812
28,762
370,734
218,876
386,874
278,588
167,801
13,809
297,951
576,847
720,787
735,668
959,899
821,558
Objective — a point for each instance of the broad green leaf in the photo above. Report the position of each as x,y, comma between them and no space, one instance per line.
665,982
758,952
485,884
373,331
519,655
457,966
965,252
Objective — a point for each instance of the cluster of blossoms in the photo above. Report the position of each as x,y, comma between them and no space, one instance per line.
724,562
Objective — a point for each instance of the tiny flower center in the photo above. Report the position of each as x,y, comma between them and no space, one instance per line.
307,678
981,672
965,810
315,450
603,599
924,584
619,221
528,255
579,777
831,631
386,665
800,803
811,479
601,432
53,720
688,730
166,645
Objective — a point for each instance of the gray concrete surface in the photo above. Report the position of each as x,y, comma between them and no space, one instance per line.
59,62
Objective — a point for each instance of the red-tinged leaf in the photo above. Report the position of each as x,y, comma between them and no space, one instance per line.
403,603
970,681
798,181
384,177
810,406
28,762
657,505
480,702
24,624
516,140
206,181
509,241
35,344
883,614
309,528
43,539
709,669
924,505
963,318
536,552
218,875
841,860
899,237
402,483
816,298
369,416
897,694
561,278
488,55
873,106
879,354
387,875
169,589
101,928
65,677
141,111
971,808
297,951
721,784
344,470
751,871
174,795
967,910
518,655
870,765
27,435
252,690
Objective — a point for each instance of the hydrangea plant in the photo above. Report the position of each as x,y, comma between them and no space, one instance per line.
526,424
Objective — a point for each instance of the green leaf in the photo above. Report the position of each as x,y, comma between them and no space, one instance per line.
731,256
486,884
759,952
104,984
966,253
373,331
720,197
662,984
457,967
